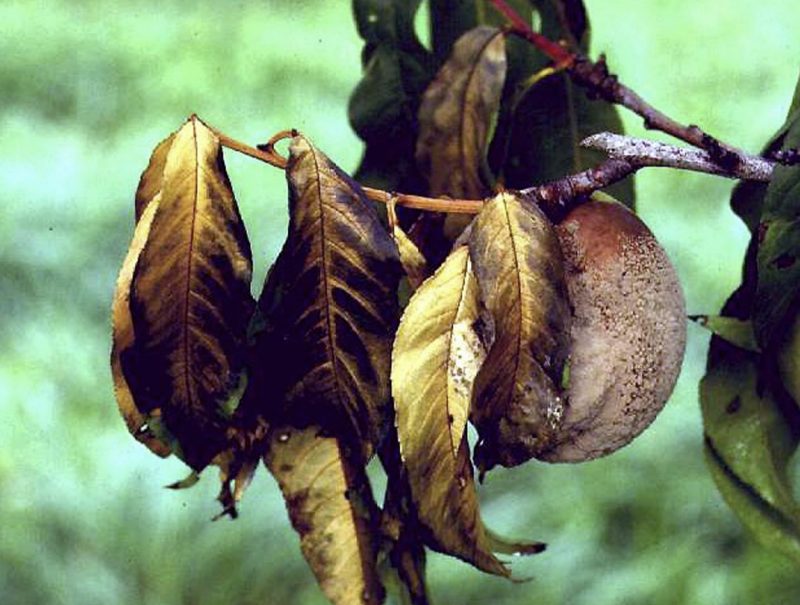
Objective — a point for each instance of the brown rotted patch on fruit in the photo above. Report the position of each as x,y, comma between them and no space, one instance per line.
598,229
628,331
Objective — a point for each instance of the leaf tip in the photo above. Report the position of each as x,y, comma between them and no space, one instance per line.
185,483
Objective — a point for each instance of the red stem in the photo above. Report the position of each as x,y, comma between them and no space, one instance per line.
557,53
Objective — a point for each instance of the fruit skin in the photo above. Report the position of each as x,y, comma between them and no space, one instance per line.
628,330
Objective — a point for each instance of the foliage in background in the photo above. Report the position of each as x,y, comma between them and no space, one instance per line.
90,529
749,394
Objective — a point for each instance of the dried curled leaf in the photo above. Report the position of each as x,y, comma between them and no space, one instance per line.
436,356
415,265
457,113
189,298
402,560
330,505
517,400
330,306
123,337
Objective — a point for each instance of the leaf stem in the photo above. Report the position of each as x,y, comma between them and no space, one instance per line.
268,155
419,202
557,53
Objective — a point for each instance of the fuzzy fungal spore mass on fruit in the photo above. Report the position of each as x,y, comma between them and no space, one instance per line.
628,330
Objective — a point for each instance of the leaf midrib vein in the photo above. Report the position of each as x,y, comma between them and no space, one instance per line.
518,291
189,267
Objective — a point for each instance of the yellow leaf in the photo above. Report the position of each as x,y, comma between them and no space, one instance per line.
330,505
436,356
414,262
517,401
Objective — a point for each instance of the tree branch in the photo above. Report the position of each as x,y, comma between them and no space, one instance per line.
642,152
595,77
558,197
599,82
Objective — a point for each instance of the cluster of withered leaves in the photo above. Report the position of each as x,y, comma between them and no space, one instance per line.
321,374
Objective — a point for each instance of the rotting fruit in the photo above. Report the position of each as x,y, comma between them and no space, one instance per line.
628,331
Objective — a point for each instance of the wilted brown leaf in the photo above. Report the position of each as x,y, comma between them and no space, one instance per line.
456,121
402,558
123,337
152,179
190,299
330,307
330,505
517,403
436,356
457,114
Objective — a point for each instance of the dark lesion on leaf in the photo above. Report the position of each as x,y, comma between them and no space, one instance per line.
734,405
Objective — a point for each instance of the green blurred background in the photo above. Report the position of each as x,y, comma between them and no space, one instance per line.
88,88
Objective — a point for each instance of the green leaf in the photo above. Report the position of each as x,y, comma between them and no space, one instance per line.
548,124
747,200
384,104
788,359
738,332
435,358
751,423
565,20
330,307
542,124
778,292
748,446
381,21
450,19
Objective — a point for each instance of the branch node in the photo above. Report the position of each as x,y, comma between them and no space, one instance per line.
786,157
723,156
595,77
